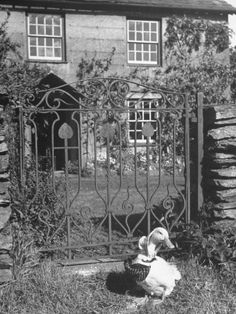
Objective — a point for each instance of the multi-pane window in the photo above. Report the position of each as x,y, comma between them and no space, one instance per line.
45,37
142,113
143,42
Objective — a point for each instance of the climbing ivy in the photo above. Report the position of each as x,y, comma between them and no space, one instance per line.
185,35
197,59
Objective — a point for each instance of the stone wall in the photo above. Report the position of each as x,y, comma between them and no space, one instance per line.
219,172
5,210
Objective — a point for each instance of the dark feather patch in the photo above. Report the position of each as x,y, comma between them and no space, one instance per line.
138,271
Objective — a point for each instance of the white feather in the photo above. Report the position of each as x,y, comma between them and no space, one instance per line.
162,276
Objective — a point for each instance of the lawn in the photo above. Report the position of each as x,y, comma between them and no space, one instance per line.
93,194
92,198
51,290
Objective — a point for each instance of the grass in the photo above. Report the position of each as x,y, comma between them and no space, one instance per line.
51,290
87,196
90,202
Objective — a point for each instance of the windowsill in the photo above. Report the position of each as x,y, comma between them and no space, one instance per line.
144,65
142,143
46,61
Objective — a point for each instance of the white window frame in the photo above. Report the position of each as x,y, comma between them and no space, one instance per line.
144,111
45,36
143,42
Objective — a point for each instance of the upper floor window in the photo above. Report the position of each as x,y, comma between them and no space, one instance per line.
143,42
45,37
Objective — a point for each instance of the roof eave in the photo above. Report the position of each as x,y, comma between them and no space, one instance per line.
78,5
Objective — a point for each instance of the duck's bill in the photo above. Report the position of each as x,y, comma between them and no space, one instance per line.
169,244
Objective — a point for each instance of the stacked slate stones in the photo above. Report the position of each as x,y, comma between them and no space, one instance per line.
5,209
220,160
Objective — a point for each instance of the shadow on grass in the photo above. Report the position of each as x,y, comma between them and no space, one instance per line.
123,283
138,222
131,222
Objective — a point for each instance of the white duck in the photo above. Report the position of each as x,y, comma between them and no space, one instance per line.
151,244
155,275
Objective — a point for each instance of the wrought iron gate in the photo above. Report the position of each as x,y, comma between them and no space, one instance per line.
107,162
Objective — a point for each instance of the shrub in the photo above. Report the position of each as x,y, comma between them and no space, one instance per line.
212,244
196,58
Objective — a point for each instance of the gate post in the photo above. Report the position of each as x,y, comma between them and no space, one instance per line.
187,159
200,150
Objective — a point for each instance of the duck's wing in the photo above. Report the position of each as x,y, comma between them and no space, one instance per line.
164,273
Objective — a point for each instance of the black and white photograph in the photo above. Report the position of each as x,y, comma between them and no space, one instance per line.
117,157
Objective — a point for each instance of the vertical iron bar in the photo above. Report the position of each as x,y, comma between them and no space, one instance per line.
147,188
21,131
174,151
200,140
87,141
187,159
53,155
160,150
108,195
80,154
67,198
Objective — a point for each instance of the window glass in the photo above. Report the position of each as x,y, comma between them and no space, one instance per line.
143,45
131,25
45,39
153,56
131,36
145,112
32,29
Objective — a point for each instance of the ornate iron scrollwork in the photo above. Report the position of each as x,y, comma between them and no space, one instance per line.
91,124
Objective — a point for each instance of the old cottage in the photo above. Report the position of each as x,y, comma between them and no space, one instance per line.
59,33
128,125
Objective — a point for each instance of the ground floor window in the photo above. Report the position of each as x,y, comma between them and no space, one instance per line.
142,119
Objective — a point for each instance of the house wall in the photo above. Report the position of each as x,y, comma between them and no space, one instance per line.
89,34
85,35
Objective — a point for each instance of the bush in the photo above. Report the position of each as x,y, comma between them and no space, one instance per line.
197,59
211,244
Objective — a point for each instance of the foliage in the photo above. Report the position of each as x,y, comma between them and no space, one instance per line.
233,69
34,203
25,255
94,67
34,214
18,79
184,73
50,289
88,69
212,245
201,290
6,44
195,58
185,35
